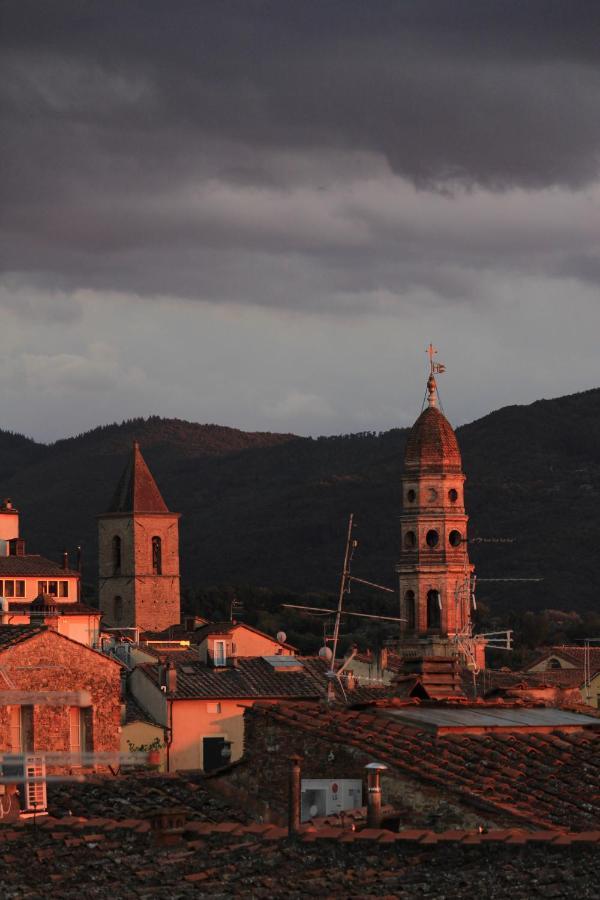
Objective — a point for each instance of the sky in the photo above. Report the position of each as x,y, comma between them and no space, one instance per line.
259,214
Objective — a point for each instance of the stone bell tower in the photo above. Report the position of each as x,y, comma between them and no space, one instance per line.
434,570
139,554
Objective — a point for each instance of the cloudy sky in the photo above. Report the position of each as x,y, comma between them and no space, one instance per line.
260,213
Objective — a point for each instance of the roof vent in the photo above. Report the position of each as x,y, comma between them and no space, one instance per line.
284,663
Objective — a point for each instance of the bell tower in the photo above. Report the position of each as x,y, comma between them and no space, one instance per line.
139,554
434,570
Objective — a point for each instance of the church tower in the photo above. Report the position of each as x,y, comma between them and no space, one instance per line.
139,554
434,569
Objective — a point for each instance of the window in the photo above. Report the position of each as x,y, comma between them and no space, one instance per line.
63,588
19,588
80,729
453,495
411,495
118,608
53,588
410,540
434,609
220,653
116,553
21,729
455,538
554,664
9,588
157,555
410,610
432,538
214,708
42,587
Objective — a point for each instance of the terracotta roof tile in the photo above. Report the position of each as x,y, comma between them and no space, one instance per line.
432,445
32,564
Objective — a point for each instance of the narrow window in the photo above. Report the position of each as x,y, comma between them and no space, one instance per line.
116,553
220,653
64,588
27,729
1,588
434,609
9,588
53,588
76,743
42,587
20,588
156,556
118,609
411,613
15,729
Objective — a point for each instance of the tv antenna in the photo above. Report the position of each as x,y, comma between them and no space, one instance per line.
330,653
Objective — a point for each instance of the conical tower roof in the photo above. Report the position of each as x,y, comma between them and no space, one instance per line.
137,491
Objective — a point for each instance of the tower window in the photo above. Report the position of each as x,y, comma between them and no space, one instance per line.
118,609
156,556
455,538
410,539
432,538
411,496
453,495
410,610
116,553
434,609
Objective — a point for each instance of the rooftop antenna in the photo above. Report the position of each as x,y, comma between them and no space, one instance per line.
346,579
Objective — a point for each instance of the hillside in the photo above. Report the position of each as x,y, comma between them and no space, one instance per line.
269,509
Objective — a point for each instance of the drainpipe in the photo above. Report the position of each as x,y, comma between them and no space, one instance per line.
169,734
374,771
295,776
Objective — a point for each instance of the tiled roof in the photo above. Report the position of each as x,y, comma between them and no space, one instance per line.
135,713
64,608
32,564
431,444
16,634
549,780
227,628
138,793
254,678
105,857
137,491
574,654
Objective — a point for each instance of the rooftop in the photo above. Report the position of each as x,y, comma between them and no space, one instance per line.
137,491
33,564
550,780
232,860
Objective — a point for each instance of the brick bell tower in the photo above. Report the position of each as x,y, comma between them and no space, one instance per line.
139,554
434,569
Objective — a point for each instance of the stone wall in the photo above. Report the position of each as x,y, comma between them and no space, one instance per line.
50,662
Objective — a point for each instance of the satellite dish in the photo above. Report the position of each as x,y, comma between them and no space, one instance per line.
326,653
281,637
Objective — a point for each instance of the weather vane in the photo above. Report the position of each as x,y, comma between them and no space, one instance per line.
435,368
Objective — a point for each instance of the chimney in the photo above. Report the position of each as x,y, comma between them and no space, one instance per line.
171,678
374,771
162,683
65,560
295,780
79,559
350,680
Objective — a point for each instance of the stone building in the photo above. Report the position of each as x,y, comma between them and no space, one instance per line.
434,571
56,695
138,537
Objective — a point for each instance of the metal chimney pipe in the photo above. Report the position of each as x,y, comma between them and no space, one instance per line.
65,559
374,771
295,779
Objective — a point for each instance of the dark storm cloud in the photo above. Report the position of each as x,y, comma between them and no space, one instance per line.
246,150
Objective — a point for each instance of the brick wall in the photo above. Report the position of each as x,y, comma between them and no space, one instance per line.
50,662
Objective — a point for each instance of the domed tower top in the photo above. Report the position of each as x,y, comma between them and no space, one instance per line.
432,445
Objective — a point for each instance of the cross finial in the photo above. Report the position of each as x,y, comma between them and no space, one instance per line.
431,352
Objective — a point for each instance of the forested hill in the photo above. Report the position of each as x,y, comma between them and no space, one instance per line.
271,510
